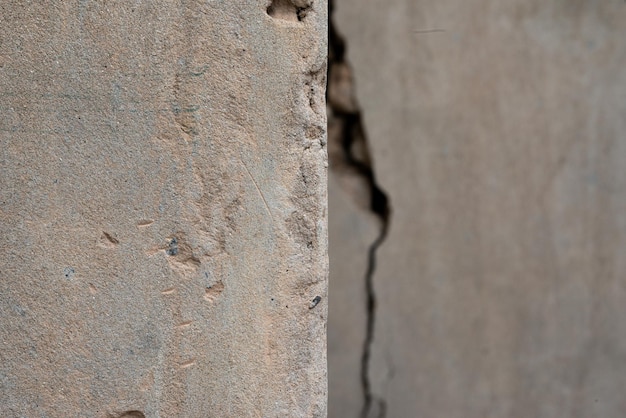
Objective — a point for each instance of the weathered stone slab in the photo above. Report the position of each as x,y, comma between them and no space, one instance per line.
497,129
163,209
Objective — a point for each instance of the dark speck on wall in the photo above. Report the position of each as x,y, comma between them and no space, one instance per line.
315,301
173,247
69,272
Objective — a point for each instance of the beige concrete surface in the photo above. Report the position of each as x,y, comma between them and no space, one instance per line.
163,209
498,130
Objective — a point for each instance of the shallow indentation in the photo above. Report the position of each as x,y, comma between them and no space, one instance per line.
181,255
287,10
131,414
212,292
107,240
144,223
187,363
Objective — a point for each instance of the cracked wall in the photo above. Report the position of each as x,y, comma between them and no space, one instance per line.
163,189
496,131
358,200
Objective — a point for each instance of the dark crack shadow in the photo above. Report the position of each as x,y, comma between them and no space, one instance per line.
349,156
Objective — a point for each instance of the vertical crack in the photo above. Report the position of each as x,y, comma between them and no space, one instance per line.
350,158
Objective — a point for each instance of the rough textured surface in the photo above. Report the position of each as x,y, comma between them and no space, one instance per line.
163,209
497,129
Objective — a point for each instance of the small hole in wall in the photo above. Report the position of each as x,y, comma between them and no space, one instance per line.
285,10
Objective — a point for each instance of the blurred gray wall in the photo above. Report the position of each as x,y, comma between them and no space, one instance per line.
498,131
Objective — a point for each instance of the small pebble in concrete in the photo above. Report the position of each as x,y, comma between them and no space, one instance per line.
315,301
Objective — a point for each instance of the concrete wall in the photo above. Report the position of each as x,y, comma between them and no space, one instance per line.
497,130
163,208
